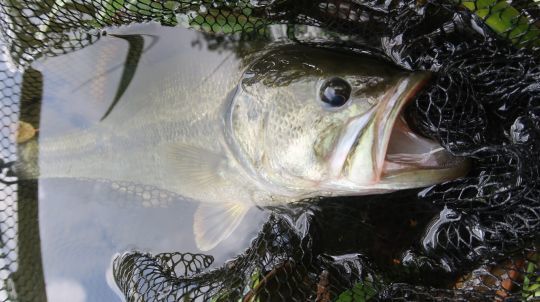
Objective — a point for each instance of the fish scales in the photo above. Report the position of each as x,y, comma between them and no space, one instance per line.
230,133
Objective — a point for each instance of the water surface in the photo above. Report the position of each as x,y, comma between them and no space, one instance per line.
84,224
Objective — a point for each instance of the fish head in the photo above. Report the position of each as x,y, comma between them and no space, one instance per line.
311,121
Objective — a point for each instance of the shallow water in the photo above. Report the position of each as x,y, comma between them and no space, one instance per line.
84,224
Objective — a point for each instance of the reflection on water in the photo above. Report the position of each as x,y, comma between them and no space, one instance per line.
84,224
491,213
81,232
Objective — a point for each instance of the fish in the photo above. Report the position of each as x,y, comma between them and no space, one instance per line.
286,123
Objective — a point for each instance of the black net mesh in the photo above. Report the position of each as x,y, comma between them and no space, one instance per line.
472,239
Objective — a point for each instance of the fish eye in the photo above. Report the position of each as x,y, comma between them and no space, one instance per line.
335,92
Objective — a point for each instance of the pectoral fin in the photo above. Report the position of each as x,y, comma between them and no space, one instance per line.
213,223
194,167
197,170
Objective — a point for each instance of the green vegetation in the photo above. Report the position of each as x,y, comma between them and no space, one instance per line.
256,279
531,281
222,21
218,19
361,292
112,11
250,291
505,20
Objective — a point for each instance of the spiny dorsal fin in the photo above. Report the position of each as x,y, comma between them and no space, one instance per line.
214,223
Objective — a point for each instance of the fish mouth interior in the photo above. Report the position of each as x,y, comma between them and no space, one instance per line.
396,156
407,150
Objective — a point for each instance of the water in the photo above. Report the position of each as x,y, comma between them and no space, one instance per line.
85,224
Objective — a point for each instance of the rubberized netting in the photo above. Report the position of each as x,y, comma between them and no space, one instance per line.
472,239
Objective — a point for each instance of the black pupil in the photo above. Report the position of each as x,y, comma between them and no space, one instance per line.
335,92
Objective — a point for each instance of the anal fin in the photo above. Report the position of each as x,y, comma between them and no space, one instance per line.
214,223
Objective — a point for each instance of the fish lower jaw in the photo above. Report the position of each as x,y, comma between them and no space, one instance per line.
397,176
412,161
346,187
408,161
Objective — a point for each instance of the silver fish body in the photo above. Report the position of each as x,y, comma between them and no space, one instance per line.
255,132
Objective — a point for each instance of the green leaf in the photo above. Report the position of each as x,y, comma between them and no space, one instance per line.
361,292
531,286
505,20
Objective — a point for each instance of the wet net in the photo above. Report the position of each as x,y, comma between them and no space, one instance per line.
472,239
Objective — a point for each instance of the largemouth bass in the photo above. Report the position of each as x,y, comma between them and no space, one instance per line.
290,123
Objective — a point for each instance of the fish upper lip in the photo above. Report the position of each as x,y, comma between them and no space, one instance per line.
390,113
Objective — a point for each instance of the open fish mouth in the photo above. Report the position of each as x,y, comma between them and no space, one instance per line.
386,154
